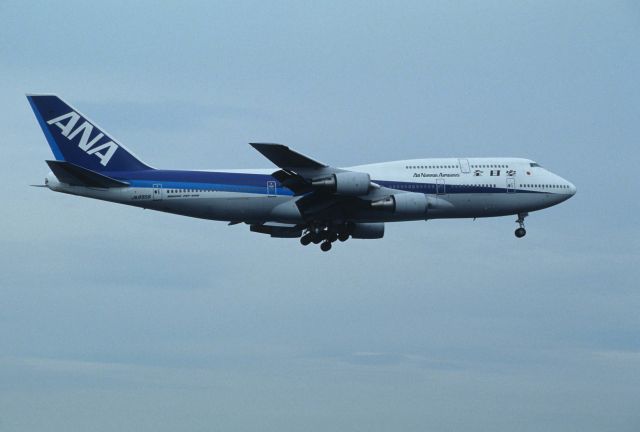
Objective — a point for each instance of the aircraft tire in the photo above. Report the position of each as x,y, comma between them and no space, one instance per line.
305,239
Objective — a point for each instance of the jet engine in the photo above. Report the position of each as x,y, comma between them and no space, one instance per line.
374,230
345,183
404,204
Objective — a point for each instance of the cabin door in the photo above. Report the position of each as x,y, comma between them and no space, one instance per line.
271,188
157,192
464,166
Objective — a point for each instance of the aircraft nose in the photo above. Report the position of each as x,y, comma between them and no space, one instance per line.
572,189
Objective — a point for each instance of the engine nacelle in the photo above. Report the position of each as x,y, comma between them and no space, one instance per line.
374,230
403,204
346,183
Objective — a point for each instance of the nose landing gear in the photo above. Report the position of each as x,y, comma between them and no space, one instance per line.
521,232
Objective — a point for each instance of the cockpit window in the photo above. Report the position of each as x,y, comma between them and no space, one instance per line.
533,164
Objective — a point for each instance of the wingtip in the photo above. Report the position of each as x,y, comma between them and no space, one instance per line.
264,146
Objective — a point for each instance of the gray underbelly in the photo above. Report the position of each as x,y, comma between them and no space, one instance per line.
244,208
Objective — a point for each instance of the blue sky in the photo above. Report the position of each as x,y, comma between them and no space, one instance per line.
114,318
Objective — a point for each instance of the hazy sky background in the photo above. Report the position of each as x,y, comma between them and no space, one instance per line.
113,318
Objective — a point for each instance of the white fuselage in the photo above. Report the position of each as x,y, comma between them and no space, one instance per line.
455,188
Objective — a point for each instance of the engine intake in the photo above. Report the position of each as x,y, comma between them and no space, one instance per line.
346,183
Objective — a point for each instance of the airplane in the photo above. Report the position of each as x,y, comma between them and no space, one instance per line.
301,198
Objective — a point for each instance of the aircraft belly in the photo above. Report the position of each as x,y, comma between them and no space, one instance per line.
490,204
103,194
237,207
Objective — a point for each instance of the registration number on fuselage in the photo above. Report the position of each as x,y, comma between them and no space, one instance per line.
141,197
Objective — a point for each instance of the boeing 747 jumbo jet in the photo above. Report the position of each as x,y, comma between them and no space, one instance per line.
302,198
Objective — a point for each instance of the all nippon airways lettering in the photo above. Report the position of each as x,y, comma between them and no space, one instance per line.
86,143
300,197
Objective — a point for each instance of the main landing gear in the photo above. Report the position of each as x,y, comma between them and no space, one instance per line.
326,235
521,232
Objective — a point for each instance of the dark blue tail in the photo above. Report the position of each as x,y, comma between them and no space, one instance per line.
76,139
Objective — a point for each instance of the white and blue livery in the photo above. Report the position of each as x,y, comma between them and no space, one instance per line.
302,198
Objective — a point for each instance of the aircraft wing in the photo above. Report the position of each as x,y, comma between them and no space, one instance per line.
297,170
287,159
325,188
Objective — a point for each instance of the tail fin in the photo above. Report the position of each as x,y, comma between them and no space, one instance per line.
74,138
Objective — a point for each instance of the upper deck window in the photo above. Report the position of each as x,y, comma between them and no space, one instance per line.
533,164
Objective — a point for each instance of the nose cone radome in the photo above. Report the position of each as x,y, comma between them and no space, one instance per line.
572,189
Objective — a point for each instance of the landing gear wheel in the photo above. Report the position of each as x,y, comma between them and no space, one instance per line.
305,239
520,232
325,246
343,236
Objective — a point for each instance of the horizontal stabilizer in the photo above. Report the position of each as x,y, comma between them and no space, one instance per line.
75,175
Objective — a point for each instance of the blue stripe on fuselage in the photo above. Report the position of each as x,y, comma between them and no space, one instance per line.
449,188
257,183
218,187
219,181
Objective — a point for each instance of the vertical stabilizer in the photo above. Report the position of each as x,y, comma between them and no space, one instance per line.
76,139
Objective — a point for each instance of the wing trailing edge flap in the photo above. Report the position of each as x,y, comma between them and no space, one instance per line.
75,175
292,181
279,230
